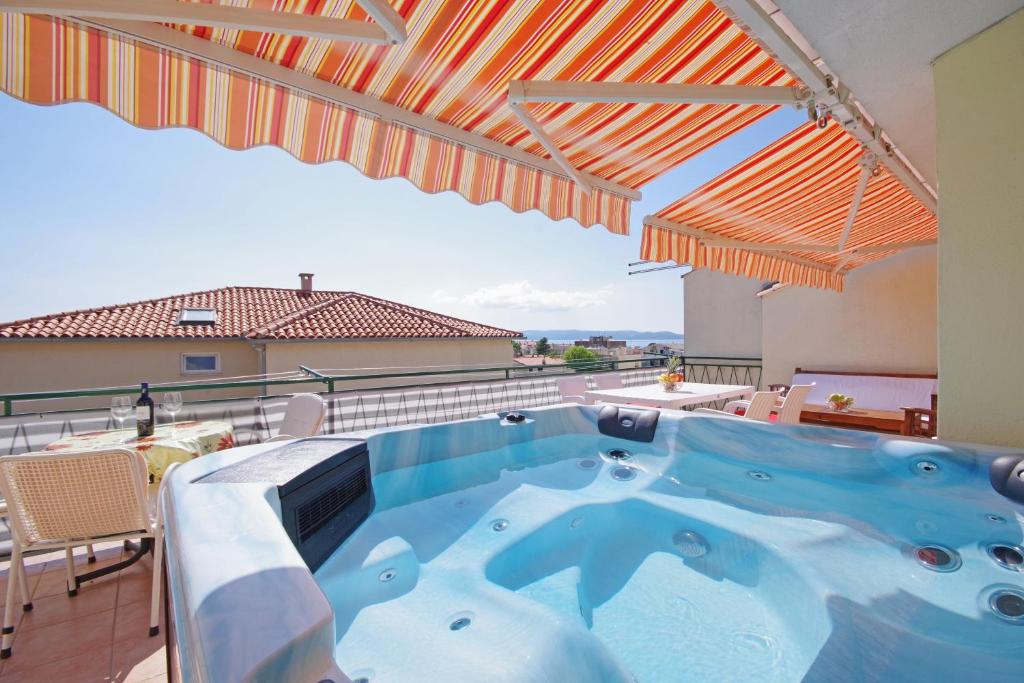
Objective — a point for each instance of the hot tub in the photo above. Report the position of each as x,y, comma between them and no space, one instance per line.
721,550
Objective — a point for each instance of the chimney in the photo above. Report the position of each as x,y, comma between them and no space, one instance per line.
306,283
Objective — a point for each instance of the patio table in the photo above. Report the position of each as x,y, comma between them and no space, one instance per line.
169,444
888,421
686,394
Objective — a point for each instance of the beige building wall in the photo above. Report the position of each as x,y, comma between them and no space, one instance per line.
44,364
721,315
384,356
884,321
979,98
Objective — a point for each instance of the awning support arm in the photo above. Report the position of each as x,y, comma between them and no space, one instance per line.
545,140
387,18
387,31
520,92
750,17
867,169
169,39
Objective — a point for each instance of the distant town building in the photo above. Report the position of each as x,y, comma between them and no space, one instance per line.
234,331
602,342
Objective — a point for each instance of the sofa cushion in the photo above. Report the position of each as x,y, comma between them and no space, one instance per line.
880,392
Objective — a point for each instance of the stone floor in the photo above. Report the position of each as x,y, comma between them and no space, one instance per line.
99,635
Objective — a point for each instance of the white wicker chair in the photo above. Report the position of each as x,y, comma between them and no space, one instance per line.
608,380
757,408
788,412
793,403
66,499
573,389
303,417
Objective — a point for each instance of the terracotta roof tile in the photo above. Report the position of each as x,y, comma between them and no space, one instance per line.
255,313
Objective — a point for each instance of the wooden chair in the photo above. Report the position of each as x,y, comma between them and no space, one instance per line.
923,422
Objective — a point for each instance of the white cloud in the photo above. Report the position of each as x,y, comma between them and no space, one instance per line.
524,295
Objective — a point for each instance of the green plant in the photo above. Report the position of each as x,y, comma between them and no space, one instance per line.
579,357
543,347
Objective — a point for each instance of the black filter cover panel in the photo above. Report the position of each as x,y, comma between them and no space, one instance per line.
325,490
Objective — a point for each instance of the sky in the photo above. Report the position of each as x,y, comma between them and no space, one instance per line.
97,212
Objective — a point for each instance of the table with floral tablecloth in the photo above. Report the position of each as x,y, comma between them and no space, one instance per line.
169,443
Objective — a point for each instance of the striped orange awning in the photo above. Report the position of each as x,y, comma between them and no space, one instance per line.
797,191
454,68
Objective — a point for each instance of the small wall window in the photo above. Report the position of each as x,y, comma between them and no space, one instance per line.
200,363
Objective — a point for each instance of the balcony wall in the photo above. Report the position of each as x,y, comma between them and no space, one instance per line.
979,98
884,320
721,315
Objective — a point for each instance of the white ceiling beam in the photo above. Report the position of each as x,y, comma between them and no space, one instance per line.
651,93
749,15
213,53
387,18
710,239
858,197
544,139
198,14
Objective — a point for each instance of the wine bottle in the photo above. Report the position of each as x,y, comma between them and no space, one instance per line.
144,414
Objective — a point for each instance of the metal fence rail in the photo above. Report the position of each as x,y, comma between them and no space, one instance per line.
255,419
723,370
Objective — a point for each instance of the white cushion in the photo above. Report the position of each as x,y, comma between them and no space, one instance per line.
879,393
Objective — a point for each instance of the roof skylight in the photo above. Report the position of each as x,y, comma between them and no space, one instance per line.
197,316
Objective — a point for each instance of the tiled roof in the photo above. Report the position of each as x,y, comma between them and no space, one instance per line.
254,313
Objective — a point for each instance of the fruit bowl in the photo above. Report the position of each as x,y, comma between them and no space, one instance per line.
669,380
840,403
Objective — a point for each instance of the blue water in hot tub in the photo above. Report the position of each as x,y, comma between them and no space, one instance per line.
549,561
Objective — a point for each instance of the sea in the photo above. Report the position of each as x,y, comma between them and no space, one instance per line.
629,342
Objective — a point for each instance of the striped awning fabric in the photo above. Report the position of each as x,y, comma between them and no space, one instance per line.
454,68
799,191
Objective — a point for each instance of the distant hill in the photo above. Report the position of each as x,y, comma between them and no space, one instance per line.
659,335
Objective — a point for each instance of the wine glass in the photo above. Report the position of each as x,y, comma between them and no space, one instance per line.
172,404
120,409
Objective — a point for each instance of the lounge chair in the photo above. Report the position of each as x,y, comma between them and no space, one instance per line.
759,407
303,417
572,389
788,412
608,380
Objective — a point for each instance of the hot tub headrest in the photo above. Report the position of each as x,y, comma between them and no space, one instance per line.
1007,476
628,423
